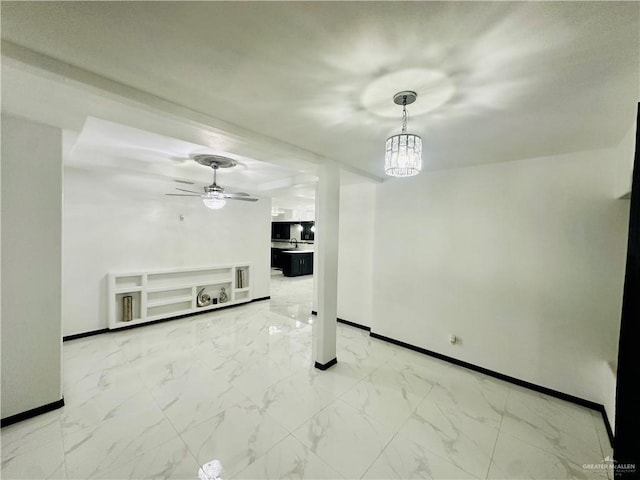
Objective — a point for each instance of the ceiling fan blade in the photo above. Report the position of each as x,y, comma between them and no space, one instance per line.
238,194
181,195
244,199
190,191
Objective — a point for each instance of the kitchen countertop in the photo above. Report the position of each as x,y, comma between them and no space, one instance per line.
300,242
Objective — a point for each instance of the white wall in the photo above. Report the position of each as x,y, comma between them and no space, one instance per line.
624,155
355,257
524,261
31,265
302,214
119,224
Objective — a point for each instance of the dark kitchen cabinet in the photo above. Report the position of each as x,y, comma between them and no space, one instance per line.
276,258
296,264
280,231
307,232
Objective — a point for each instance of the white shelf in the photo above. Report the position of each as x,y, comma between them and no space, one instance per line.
170,293
124,282
169,301
135,321
128,290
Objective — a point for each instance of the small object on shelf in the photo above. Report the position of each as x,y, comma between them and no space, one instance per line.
203,298
214,301
127,308
223,295
241,278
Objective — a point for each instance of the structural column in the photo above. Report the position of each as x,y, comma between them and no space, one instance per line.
326,265
31,273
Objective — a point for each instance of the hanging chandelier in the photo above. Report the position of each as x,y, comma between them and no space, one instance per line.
403,152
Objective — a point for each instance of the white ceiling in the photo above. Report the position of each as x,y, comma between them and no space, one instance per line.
111,146
295,83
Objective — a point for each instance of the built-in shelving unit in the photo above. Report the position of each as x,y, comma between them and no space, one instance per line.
170,293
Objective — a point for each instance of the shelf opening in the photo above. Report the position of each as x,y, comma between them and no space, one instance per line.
128,306
129,281
215,294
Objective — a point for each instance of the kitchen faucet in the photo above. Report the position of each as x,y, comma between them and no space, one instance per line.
294,241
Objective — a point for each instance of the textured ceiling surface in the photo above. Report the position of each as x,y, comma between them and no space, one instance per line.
497,81
159,164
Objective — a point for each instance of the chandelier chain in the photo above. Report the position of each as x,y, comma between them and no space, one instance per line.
404,114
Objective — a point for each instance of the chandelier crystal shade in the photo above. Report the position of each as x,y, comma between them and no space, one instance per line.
403,152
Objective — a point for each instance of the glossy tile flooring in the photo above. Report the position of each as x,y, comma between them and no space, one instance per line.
236,385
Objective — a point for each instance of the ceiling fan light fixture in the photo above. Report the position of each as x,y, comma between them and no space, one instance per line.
403,152
214,196
213,201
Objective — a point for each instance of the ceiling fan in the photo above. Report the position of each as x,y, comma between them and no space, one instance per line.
214,196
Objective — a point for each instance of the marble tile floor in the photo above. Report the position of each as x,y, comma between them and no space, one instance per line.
237,386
